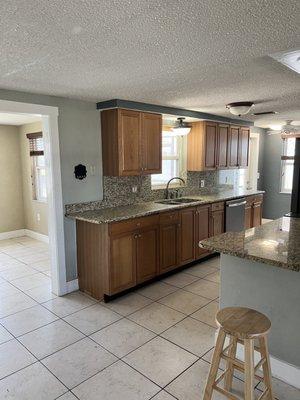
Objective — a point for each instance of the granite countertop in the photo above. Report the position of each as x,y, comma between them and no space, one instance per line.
276,243
113,214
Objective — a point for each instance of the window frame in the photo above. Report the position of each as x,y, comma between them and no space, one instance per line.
285,160
180,157
36,150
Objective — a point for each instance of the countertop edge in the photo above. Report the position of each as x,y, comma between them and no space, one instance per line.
164,208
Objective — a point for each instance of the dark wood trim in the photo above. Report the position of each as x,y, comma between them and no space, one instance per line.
34,135
155,108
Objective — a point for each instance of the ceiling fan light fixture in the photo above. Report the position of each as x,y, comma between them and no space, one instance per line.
239,108
181,128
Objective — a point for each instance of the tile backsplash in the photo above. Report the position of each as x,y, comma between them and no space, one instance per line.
117,191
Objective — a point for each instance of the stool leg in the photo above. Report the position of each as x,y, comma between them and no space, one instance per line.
214,365
264,352
249,369
229,366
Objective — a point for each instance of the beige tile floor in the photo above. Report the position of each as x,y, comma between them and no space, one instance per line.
154,343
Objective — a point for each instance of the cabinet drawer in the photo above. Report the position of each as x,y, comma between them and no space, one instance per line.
217,206
132,224
166,218
258,198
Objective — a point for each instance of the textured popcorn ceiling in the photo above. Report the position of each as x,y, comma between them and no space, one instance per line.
192,54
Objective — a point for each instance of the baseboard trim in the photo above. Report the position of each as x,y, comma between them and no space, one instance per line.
72,286
12,234
36,235
282,370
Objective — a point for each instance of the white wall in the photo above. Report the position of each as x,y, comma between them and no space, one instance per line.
79,135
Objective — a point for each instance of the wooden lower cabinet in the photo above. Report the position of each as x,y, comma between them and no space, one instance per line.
256,213
217,222
201,229
117,256
169,234
123,262
147,254
187,235
253,211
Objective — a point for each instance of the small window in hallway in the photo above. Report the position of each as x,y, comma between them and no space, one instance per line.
38,170
287,165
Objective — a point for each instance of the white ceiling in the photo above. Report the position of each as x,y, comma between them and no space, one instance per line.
193,54
17,119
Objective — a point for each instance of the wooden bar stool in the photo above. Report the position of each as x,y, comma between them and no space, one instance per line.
244,326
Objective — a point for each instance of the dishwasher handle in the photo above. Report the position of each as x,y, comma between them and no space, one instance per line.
236,204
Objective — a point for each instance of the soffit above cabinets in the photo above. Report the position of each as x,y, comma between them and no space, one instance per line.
180,112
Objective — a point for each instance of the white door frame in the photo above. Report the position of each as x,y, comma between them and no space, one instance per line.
49,117
253,163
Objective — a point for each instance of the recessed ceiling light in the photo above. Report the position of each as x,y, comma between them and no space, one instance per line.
290,59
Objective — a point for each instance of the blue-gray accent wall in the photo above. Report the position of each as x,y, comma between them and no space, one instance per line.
276,204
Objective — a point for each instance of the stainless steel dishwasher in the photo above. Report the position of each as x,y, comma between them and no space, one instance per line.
235,215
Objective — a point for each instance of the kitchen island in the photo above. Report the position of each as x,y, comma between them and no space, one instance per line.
260,269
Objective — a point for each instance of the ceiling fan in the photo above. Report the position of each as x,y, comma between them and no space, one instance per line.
286,131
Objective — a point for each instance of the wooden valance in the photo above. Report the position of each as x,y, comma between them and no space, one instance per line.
36,143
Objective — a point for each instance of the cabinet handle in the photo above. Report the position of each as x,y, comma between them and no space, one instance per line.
138,224
135,236
140,236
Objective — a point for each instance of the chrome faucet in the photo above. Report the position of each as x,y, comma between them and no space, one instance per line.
168,184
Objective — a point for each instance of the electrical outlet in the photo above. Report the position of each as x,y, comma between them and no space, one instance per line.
38,217
202,183
92,170
134,189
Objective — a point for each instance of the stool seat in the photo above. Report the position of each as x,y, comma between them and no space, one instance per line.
242,322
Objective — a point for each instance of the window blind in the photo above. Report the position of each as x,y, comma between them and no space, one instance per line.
36,144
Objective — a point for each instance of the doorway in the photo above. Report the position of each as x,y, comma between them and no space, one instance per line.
252,170
49,121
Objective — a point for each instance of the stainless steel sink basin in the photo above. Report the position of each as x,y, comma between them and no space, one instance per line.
180,200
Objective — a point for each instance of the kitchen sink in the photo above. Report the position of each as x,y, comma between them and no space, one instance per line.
180,200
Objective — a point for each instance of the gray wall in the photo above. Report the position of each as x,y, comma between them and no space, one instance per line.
79,135
276,204
271,290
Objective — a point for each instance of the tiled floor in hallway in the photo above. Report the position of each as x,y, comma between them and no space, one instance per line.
154,343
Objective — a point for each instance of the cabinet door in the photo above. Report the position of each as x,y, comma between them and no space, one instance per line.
202,228
151,143
222,146
187,235
211,132
248,217
129,130
169,246
256,213
217,223
147,254
244,136
233,146
122,262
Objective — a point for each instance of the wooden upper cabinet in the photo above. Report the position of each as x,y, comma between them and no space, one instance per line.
129,139
151,143
233,146
243,151
131,142
222,146
211,135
